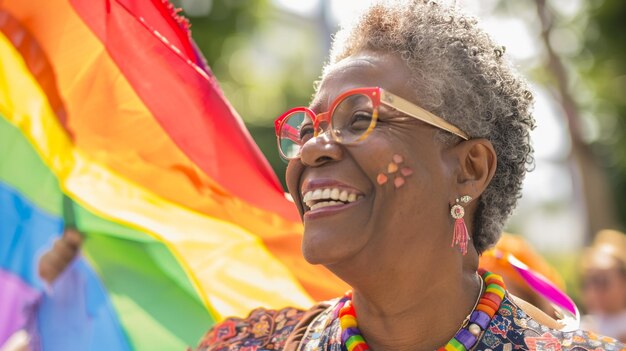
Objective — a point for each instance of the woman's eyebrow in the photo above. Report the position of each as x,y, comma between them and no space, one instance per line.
317,104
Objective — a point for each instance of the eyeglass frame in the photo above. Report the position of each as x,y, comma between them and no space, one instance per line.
377,95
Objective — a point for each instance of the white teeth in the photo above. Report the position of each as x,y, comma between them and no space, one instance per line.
327,197
326,194
325,204
317,194
343,196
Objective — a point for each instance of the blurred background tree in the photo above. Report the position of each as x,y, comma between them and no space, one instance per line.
603,68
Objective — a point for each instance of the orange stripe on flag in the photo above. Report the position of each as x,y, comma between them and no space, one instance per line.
111,124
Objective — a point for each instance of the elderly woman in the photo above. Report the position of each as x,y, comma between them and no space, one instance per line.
404,168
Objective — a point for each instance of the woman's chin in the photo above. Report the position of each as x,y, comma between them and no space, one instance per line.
325,252
316,255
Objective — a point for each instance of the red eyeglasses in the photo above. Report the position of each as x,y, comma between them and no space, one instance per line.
351,118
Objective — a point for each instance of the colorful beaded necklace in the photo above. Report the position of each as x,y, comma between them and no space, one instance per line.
465,338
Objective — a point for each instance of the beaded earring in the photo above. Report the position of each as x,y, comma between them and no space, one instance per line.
461,236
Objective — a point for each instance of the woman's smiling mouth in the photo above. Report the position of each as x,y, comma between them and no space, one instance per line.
324,197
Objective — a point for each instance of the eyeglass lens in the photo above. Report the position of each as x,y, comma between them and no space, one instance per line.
351,118
294,132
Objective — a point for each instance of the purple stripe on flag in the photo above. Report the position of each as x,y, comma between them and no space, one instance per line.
16,301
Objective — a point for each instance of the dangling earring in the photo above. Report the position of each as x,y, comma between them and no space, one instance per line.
461,236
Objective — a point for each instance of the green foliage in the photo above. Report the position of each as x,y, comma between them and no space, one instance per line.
226,21
606,75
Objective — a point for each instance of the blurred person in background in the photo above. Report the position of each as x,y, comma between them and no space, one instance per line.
604,284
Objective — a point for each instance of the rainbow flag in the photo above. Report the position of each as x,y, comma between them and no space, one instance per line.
111,122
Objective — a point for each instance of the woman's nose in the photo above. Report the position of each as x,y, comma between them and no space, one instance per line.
320,150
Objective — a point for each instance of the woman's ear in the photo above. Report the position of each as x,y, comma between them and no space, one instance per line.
477,165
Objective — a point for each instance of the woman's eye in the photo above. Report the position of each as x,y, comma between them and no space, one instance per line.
306,132
361,120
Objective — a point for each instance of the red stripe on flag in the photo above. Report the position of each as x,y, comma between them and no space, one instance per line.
160,16
188,104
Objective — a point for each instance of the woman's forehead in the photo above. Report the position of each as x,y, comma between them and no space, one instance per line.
366,69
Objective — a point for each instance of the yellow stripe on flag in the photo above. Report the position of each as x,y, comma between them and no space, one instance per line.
230,267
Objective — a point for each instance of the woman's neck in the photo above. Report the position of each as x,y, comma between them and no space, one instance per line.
415,315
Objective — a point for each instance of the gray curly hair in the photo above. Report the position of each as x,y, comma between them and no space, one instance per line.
460,75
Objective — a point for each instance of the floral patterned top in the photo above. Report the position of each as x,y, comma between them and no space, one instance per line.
291,329
262,330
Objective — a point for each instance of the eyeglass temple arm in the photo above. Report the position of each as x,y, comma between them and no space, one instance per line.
415,111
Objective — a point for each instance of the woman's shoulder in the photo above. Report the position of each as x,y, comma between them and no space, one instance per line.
262,329
521,325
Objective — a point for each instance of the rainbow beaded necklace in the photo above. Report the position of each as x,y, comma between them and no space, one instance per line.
465,338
